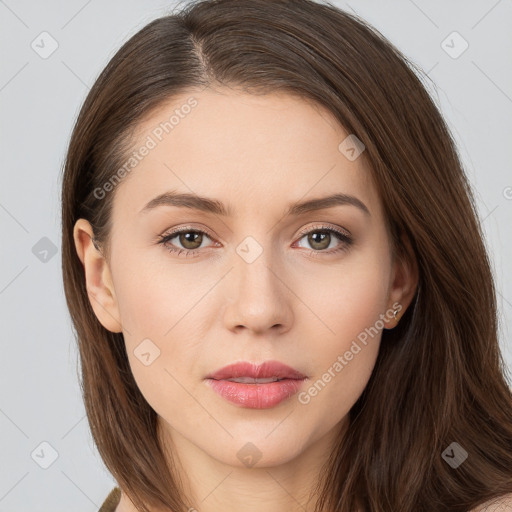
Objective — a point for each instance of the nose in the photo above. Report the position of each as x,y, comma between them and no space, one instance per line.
259,296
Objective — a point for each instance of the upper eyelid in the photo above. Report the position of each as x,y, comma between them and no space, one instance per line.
325,226
185,229
321,226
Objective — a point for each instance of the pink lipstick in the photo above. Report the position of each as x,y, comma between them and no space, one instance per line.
256,386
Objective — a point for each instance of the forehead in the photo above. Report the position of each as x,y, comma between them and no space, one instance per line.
245,150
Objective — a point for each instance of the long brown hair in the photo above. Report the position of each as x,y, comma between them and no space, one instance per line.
439,378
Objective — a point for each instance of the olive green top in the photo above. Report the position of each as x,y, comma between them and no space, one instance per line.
113,499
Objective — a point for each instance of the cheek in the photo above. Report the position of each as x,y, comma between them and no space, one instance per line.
147,301
160,327
350,307
351,298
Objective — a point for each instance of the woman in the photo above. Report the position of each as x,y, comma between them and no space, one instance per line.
276,273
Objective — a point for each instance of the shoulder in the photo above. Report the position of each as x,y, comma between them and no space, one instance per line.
112,501
501,504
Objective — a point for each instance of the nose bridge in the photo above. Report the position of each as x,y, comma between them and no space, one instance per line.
255,267
258,297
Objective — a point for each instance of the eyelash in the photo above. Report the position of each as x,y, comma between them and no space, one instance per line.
341,236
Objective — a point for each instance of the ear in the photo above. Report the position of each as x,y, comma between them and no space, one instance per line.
99,284
404,282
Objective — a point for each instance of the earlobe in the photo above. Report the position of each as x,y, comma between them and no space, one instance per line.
98,278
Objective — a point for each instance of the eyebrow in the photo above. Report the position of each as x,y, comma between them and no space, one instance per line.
216,207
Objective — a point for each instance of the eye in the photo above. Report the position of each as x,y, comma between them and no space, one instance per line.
190,239
319,238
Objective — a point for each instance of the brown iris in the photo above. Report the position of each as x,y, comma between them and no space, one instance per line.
321,238
193,238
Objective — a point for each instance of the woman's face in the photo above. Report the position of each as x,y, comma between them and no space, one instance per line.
265,279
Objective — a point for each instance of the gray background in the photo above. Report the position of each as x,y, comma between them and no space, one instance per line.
39,99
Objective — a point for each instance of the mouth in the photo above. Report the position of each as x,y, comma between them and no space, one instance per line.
256,386
267,370
251,380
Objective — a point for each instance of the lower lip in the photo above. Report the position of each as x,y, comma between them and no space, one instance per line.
256,396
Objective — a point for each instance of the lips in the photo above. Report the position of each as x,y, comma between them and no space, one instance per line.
256,386
267,370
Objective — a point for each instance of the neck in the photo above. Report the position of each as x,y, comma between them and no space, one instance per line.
214,486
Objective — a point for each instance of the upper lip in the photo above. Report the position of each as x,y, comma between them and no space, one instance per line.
257,371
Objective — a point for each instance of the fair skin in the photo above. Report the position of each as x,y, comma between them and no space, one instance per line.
298,302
